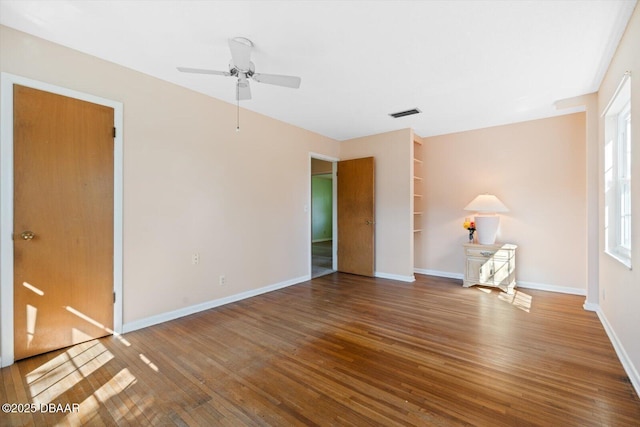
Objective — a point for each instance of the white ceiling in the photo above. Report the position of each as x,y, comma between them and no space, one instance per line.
465,64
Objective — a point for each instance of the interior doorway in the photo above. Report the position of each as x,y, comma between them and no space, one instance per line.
322,217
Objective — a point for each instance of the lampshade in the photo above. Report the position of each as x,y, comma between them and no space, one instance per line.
486,203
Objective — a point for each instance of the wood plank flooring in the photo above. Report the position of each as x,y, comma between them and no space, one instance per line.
321,258
344,350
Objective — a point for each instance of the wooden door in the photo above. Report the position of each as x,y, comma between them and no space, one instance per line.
63,195
356,216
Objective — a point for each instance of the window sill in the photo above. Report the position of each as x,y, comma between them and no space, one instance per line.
626,261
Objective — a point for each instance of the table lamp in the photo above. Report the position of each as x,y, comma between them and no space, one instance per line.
487,222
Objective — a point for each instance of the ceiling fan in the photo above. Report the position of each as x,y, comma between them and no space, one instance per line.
243,69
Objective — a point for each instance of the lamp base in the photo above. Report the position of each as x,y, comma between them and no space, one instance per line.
487,228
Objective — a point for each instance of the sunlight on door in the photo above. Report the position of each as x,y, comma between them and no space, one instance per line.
32,314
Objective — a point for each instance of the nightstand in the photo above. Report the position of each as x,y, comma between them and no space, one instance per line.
490,265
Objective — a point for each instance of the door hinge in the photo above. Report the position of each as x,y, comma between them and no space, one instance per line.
114,297
114,132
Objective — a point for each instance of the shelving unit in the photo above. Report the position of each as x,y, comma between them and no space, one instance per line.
418,203
417,184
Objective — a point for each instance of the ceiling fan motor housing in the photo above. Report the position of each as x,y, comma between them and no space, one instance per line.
234,70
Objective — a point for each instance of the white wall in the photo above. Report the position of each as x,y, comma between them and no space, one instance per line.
191,183
619,286
537,169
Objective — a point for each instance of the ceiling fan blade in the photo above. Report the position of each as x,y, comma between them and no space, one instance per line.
243,91
241,52
201,71
277,79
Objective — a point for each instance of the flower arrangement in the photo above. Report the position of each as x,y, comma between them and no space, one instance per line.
469,226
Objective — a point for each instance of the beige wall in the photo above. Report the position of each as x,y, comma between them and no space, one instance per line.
394,233
620,286
537,168
191,183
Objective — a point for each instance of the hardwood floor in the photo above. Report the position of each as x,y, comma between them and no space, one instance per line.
344,350
321,258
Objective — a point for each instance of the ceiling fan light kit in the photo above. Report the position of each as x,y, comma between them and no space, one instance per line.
243,69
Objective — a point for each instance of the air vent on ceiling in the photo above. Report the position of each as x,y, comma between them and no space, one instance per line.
405,113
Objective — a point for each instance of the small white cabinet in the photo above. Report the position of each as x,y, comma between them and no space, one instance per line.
490,265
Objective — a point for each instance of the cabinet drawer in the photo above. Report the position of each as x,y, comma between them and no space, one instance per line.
487,253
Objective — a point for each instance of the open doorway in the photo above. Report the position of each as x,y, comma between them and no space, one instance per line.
322,217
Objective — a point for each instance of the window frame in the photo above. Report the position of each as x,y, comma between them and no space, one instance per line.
617,174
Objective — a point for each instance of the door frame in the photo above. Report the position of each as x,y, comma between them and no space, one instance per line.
334,208
6,203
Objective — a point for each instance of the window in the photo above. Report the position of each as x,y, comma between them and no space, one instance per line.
617,174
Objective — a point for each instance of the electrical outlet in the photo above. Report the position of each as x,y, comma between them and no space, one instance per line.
195,258
221,280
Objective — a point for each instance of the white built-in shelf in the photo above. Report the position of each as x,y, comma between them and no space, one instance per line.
417,184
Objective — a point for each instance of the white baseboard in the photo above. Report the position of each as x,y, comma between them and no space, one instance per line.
395,277
520,284
172,315
439,273
589,306
551,288
627,364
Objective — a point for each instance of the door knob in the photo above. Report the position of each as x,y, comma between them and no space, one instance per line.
27,235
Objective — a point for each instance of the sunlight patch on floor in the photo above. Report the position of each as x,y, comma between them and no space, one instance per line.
116,385
148,362
121,339
80,363
518,299
61,373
